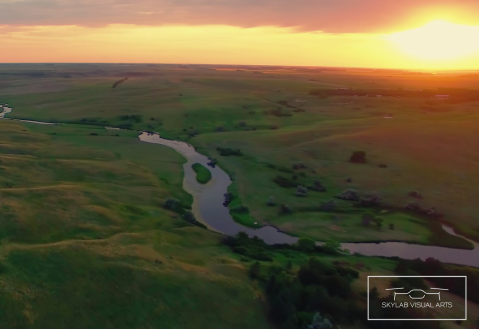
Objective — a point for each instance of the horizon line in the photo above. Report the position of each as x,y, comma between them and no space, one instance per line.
263,65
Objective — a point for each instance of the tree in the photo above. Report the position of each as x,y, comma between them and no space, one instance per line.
189,216
391,226
171,203
320,323
332,246
306,244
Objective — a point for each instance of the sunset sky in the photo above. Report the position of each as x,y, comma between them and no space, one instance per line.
420,34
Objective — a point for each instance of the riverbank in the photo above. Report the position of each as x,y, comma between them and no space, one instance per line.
211,210
91,208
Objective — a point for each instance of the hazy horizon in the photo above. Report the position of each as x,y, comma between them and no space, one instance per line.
431,35
248,65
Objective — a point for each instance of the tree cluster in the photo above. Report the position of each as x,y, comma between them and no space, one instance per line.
295,298
228,151
434,267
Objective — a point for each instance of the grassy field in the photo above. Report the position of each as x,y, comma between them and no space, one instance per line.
428,146
85,239
203,175
86,243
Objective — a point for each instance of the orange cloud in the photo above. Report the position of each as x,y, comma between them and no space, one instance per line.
340,16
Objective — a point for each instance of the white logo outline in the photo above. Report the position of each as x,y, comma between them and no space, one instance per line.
425,293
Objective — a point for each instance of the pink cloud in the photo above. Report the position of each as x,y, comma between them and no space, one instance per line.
335,16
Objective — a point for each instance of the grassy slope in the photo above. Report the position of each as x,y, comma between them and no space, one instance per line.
203,175
419,154
85,242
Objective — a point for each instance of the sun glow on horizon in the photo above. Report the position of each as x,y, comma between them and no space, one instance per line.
224,44
438,41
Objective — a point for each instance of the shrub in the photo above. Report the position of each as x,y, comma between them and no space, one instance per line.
193,132
212,162
284,182
285,170
285,209
171,203
371,199
378,221
93,134
274,127
318,186
189,216
320,323
358,157
298,166
328,206
228,198
301,191
134,117
240,209
242,124
349,194
331,247
228,151
271,201
416,195
306,244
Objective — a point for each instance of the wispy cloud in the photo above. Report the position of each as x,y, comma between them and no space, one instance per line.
336,16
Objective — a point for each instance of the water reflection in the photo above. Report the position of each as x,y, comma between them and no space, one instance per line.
208,208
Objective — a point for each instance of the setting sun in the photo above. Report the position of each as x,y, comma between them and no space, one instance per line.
439,40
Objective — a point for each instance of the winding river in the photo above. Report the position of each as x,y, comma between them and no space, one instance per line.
208,208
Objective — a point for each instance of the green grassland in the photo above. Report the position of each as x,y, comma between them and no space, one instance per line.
86,243
428,146
85,239
203,175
